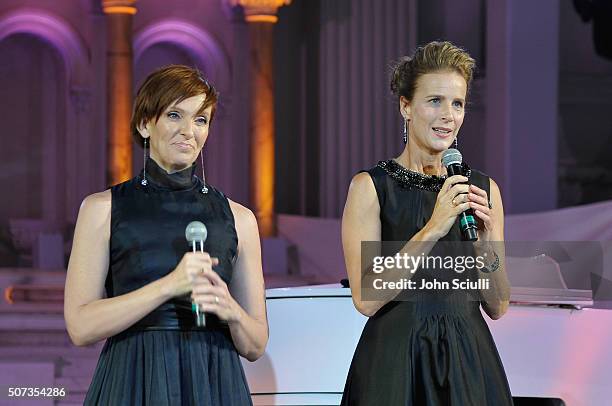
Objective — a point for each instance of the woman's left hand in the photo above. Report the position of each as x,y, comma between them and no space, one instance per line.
211,294
479,203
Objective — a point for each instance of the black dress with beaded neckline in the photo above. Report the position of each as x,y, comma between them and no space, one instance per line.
409,179
164,358
434,348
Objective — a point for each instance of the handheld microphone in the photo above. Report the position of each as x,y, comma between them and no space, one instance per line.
451,159
196,233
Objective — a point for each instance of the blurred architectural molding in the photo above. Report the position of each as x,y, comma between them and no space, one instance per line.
54,30
119,6
259,10
200,44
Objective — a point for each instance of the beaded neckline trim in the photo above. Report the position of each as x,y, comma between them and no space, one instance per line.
409,179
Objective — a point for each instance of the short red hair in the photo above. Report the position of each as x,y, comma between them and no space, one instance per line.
166,86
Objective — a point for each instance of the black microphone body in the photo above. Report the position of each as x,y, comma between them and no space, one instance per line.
467,222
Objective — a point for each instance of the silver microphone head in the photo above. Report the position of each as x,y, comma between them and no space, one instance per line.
196,231
451,156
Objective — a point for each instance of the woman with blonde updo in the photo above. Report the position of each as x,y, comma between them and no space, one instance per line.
424,346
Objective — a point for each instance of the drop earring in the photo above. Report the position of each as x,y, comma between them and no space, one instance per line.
405,138
144,181
204,189
455,143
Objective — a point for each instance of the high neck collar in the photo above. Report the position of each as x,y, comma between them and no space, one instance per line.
181,180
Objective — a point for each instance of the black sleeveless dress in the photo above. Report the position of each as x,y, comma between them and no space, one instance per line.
164,359
433,348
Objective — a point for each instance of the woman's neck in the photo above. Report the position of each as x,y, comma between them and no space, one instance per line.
165,166
421,161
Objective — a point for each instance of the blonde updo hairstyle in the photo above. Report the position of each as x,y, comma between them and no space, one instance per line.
430,58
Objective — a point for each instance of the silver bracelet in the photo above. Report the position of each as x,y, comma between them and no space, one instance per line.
493,267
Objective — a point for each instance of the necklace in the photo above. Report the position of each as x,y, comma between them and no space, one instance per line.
409,179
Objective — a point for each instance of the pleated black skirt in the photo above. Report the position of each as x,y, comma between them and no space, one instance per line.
437,353
169,367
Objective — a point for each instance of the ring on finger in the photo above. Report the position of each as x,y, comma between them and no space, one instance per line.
457,200
217,299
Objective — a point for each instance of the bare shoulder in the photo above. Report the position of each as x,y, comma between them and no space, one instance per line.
243,216
362,193
494,186
494,190
362,183
95,209
98,200
246,226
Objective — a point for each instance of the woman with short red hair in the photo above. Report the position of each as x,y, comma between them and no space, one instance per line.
130,280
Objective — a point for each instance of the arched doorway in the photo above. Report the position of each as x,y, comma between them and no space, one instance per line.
33,88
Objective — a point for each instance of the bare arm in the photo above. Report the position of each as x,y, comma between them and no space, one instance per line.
243,304
496,298
90,317
361,222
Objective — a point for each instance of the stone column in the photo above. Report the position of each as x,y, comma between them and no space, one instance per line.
119,15
522,102
260,16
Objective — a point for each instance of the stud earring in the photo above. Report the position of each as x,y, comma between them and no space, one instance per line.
405,138
144,181
204,189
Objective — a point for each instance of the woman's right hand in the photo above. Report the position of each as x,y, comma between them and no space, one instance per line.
180,281
452,201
